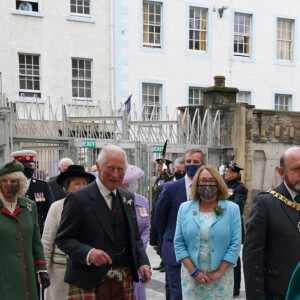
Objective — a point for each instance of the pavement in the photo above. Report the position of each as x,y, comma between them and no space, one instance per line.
155,289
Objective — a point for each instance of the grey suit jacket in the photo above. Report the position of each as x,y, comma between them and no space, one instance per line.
271,248
85,224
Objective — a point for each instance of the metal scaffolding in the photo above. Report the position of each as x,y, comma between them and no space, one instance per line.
63,131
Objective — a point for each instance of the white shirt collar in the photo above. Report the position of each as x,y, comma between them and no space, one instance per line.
292,193
103,189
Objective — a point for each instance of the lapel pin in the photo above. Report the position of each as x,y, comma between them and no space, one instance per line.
194,213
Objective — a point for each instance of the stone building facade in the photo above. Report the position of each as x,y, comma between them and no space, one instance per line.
254,138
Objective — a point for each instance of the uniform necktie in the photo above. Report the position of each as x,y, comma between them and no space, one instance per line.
297,198
113,202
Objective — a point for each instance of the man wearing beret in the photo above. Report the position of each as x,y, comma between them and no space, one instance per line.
238,194
38,190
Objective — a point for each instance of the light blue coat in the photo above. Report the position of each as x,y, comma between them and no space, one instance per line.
225,234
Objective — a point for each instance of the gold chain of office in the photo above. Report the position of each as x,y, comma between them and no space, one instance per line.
285,200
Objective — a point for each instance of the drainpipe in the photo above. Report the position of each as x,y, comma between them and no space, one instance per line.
112,53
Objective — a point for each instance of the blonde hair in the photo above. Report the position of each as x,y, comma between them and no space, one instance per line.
23,183
222,188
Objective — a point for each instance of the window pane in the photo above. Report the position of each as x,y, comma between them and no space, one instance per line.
284,43
152,23
151,101
242,34
197,31
29,73
81,69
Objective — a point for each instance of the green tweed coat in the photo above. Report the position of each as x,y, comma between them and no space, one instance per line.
21,251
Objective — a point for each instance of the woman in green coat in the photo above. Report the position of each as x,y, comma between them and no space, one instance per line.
21,251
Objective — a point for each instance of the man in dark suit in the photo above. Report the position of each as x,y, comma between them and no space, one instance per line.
57,189
155,239
99,233
272,241
173,194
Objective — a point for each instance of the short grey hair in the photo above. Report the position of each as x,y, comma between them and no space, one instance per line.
196,150
23,182
179,161
65,160
108,149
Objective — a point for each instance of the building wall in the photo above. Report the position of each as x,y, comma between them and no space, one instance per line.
177,68
57,37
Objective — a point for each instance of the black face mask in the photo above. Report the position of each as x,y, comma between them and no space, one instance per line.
28,172
178,175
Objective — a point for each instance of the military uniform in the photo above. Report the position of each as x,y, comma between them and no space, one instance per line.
238,194
166,176
40,192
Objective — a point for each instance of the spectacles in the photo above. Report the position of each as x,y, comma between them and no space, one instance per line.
210,181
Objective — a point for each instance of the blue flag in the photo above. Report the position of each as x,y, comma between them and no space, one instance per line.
128,104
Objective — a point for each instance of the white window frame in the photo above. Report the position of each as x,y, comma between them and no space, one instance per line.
242,34
151,101
283,102
154,24
82,79
29,72
196,30
195,95
18,2
243,97
284,43
76,5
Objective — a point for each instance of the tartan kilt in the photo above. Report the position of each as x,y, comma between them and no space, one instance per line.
76,293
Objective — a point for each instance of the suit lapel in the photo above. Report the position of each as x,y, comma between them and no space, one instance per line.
291,213
196,212
217,218
126,203
100,208
182,189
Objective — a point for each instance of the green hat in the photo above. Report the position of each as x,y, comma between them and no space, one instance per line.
11,166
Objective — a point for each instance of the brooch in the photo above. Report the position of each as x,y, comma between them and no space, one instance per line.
128,202
218,210
29,207
194,213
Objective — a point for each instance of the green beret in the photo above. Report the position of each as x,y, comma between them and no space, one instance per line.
11,166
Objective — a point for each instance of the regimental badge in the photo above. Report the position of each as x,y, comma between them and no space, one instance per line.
143,212
39,197
29,207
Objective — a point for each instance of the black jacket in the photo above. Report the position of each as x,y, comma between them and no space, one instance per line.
271,247
84,225
40,192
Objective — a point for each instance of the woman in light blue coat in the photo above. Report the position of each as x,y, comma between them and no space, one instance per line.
208,238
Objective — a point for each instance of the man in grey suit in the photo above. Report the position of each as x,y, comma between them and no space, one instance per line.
272,242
